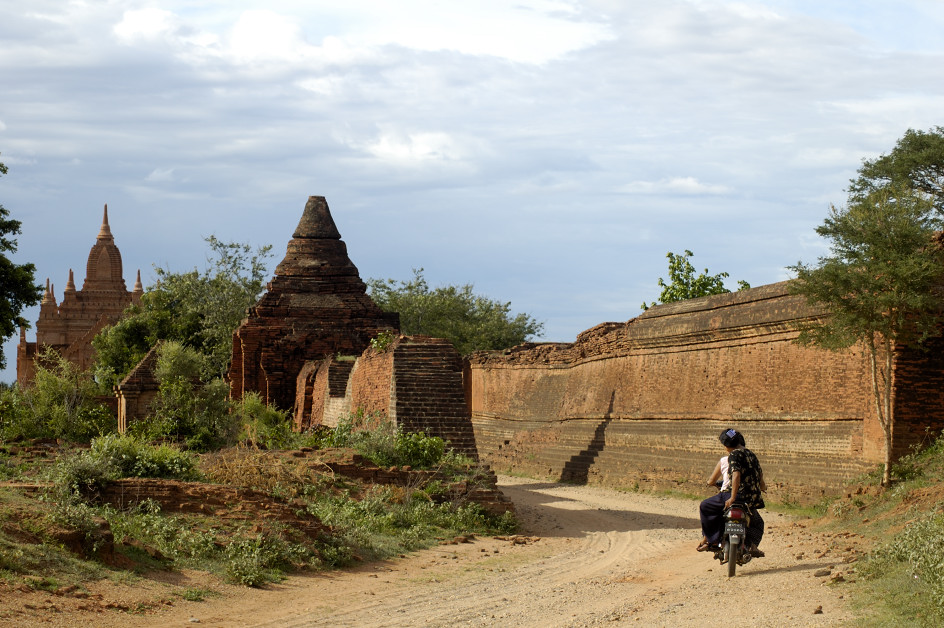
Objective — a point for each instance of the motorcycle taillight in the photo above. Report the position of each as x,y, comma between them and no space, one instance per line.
736,513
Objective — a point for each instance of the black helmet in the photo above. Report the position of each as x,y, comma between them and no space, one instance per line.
731,438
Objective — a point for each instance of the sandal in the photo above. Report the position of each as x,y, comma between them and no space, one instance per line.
703,547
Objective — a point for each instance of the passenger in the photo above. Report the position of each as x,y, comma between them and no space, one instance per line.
746,482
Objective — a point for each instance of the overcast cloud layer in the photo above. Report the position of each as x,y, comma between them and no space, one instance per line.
549,151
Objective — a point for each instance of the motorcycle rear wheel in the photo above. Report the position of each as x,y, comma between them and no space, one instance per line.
730,554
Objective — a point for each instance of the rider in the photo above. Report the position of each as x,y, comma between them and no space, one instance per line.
746,483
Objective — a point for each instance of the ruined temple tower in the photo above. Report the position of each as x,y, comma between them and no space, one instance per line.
315,306
69,326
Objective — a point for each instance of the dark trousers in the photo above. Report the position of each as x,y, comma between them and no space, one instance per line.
711,511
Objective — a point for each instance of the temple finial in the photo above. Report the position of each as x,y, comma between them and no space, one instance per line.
47,297
138,286
105,232
70,286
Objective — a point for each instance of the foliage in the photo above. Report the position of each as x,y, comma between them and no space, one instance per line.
880,285
376,438
387,521
118,456
382,341
199,310
686,285
60,403
471,322
264,425
919,551
18,289
186,408
916,162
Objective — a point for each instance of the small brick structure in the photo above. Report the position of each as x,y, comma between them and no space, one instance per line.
316,306
416,382
69,327
642,402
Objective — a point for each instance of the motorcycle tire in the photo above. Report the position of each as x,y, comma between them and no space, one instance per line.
730,553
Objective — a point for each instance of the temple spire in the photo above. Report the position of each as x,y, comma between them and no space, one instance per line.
47,295
105,232
70,286
138,288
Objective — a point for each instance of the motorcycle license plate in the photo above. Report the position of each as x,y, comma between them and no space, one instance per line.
734,528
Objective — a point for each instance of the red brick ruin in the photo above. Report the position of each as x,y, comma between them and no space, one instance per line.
70,326
628,404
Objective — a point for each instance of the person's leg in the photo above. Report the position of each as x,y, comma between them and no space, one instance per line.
711,511
755,533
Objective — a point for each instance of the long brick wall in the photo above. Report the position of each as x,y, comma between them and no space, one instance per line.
642,402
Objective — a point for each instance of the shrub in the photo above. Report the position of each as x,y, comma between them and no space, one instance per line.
264,425
60,403
920,549
377,439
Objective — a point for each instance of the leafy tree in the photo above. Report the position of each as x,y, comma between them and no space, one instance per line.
470,321
17,288
879,286
917,161
685,285
200,310
60,403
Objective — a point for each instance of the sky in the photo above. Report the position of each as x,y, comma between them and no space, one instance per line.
550,152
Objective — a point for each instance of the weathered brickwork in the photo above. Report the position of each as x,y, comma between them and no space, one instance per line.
642,402
315,306
416,382
69,327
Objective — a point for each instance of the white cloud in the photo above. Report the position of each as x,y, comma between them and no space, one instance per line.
263,35
161,175
146,24
689,186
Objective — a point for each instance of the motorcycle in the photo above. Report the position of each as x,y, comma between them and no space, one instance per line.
733,550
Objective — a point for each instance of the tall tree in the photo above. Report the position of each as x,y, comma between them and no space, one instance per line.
470,321
879,286
917,161
686,285
18,289
198,309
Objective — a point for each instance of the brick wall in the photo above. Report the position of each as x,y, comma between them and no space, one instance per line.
643,401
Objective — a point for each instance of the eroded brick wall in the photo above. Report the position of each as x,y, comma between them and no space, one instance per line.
642,402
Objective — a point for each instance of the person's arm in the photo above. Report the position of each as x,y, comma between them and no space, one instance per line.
715,475
735,485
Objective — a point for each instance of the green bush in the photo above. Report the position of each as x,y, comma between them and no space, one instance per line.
264,425
919,549
116,456
60,403
187,409
377,439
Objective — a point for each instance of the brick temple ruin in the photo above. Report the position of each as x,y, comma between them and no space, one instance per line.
628,404
307,345
69,327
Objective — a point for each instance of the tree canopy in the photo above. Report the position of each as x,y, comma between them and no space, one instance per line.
18,289
470,321
880,285
916,162
686,285
201,310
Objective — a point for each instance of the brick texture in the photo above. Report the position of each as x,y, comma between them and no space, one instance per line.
642,402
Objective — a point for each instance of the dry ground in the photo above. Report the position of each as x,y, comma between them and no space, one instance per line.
586,556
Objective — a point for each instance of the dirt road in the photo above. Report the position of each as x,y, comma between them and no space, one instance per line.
587,556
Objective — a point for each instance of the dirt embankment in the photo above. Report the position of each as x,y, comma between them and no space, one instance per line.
587,556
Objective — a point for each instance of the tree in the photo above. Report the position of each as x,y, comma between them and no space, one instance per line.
880,285
917,161
685,285
18,289
199,310
471,322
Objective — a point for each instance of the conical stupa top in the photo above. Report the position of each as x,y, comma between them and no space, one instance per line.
316,221
70,286
105,232
47,295
138,286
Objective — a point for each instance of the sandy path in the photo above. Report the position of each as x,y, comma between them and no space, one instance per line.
594,557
